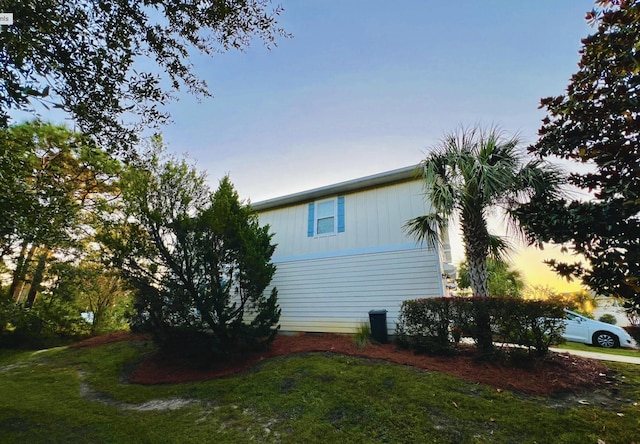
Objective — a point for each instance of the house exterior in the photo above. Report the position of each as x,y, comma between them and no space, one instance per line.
612,306
342,251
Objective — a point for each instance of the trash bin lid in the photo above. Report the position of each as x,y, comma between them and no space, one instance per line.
377,312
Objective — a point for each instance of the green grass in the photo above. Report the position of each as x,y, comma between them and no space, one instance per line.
311,398
362,337
611,351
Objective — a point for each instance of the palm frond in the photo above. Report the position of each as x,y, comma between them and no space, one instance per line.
499,248
427,228
542,178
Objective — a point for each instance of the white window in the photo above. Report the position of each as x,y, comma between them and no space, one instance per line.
326,218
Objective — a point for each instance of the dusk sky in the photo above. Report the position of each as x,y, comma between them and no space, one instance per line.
366,86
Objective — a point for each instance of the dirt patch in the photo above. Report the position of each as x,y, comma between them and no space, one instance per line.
559,373
87,393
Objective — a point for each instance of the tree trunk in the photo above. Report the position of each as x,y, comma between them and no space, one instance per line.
37,278
476,245
476,242
478,275
20,274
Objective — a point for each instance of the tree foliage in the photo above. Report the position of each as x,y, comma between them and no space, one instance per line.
88,289
52,182
581,301
81,299
597,122
101,61
502,280
198,260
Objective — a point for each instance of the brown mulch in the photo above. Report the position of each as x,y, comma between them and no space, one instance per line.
557,373
109,338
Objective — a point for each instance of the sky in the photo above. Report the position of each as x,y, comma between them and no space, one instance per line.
367,86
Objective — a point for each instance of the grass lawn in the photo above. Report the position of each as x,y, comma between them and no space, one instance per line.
80,395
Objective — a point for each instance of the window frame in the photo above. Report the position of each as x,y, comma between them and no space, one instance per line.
338,216
334,215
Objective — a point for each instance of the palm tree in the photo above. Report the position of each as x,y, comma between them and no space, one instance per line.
471,172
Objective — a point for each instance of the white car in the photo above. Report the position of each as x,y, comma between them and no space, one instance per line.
582,329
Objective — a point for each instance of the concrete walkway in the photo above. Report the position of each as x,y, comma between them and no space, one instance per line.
600,356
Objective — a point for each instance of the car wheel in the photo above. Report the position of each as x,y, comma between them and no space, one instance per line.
605,340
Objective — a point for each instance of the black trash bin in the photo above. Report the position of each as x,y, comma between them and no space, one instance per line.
378,321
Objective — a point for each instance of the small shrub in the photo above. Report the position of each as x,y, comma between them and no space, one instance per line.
608,318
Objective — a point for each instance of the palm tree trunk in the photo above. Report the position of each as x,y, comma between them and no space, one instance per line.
478,276
476,241
476,244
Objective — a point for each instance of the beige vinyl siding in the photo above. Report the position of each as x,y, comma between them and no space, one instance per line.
373,217
335,294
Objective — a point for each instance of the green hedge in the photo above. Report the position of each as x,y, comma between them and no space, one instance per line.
435,325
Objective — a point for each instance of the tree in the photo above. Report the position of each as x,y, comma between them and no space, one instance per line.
502,280
85,57
90,289
51,182
581,301
471,172
597,122
199,261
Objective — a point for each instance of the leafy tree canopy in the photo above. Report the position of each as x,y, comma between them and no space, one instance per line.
91,289
49,177
80,56
581,301
597,122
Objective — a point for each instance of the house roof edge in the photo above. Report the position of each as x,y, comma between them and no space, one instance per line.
386,178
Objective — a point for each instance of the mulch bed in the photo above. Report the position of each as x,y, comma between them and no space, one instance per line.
557,373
